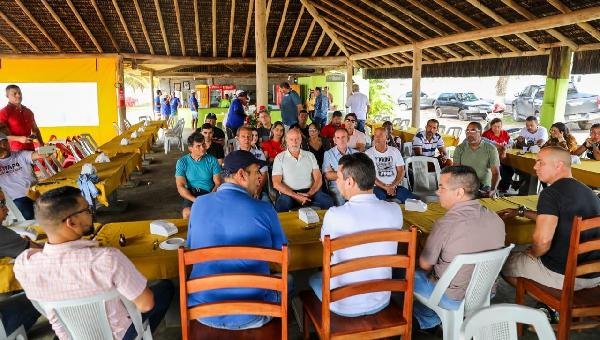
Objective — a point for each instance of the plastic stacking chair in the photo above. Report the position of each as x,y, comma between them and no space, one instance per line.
396,122
407,149
89,140
499,322
174,134
126,123
424,183
18,334
487,267
145,118
86,319
404,124
274,329
116,128
455,131
442,129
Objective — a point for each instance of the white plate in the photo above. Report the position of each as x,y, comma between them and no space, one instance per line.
172,243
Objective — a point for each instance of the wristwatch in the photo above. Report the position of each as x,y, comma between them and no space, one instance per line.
521,211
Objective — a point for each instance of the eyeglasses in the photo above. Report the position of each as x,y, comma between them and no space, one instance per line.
88,209
472,130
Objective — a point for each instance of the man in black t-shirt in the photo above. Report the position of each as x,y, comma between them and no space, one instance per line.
218,134
212,148
565,197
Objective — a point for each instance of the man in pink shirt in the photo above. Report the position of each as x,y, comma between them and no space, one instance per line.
69,267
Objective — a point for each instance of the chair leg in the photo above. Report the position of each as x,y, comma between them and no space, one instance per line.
520,300
305,326
564,325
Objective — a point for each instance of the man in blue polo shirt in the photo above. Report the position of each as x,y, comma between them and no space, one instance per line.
237,114
196,173
290,105
175,104
165,107
254,223
157,103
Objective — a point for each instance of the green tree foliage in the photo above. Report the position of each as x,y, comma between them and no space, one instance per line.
381,102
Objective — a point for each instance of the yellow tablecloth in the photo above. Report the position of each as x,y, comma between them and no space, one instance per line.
409,134
588,172
111,175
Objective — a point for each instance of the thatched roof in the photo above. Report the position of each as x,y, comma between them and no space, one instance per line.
374,34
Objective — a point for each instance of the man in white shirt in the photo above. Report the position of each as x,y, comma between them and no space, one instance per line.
330,163
389,168
362,212
359,104
532,133
356,139
297,177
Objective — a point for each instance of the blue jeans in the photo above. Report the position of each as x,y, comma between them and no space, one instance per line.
17,310
426,317
163,291
320,199
316,283
321,121
25,206
360,125
401,194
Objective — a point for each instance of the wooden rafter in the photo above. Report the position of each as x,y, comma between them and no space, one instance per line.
315,14
231,22
214,27
179,27
385,24
138,10
84,25
161,23
331,43
354,38
62,25
308,33
525,13
101,17
19,32
124,24
268,11
584,25
280,28
37,24
345,32
318,45
9,44
289,47
403,23
197,27
248,22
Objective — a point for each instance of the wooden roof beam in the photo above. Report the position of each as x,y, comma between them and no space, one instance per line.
197,26
179,27
138,10
584,25
144,59
248,23
19,32
84,25
318,45
268,11
289,47
62,25
331,43
280,28
313,11
39,27
101,17
9,44
308,33
231,22
124,24
392,28
161,23
214,27
588,14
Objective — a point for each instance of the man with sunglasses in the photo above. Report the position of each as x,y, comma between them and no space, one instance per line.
70,267
356,140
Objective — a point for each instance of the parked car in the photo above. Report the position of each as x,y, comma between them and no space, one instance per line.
581,108
464,105
405,100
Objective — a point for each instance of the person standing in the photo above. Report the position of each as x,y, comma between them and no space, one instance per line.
165,107
290,105
156,104
358,103
193,103
236,116
18,122
175,104
254,223
321,108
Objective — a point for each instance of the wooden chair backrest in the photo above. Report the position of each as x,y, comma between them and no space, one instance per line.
406,261
233,280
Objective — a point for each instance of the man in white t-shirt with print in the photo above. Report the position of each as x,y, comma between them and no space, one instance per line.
362,212
532,133
356,139
389,168
16,176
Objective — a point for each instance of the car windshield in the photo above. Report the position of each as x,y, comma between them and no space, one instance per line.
466,97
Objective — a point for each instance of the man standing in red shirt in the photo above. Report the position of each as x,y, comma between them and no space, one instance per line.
18,123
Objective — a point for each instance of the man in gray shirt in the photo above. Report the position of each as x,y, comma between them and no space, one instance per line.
467,227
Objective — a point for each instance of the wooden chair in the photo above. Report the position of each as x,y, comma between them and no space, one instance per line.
568,302
192,329
393,320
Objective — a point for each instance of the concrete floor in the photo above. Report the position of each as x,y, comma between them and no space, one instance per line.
155,197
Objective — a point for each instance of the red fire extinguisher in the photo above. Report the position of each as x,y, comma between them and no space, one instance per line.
121,96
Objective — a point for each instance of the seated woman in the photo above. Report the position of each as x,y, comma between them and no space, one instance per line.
560,136
275,144
255,138
315,143
501,139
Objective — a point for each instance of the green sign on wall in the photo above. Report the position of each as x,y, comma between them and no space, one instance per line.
335,78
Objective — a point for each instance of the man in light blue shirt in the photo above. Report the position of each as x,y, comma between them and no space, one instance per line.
330,163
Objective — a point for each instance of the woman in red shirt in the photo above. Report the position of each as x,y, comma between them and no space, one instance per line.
501,139
275,144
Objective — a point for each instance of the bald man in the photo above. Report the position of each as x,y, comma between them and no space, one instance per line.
564,198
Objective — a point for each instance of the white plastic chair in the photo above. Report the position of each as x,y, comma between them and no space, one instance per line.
424,183
487,266
175,134
407,149
86,319
14,214
442,129
455,131
89,140
499,322
18,334
145,118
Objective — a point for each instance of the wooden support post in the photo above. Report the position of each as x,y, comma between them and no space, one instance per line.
122,113
416,87
260,41
349,74
152,94
557,85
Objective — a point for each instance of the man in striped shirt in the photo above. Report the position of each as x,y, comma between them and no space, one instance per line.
427,142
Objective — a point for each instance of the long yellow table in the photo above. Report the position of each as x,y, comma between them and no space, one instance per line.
588,172
142,144
111,175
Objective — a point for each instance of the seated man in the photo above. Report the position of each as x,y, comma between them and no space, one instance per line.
426,142
467,227
297,177
15,310
564,198
389,167
70,267
245,143
251,223
356,139
532,134
212,148
16,176
592,145
196,173
362,212
328,130
481,156
218,134
330,163
302,122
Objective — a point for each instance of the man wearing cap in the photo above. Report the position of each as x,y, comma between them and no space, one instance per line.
218,134
237,114
290,105
193,103
16,176
18,123
255,223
